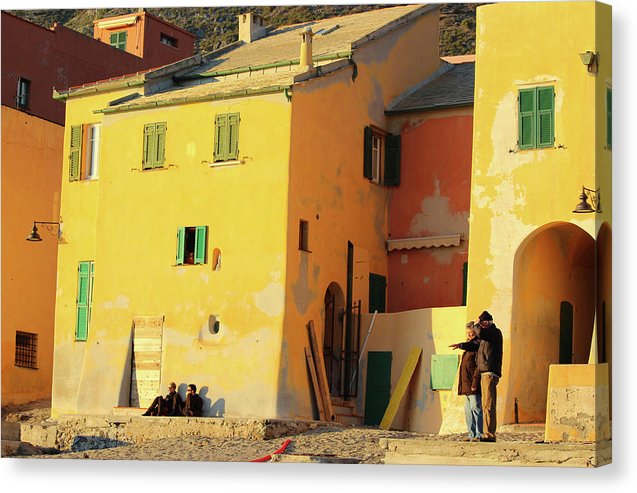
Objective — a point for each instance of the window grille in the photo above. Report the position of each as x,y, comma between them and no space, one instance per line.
26,349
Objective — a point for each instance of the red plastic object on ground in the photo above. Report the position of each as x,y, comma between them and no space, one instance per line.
269,456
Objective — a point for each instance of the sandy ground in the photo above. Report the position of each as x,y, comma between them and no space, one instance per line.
360,443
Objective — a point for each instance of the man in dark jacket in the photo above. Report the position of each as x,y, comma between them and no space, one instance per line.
489,361
469,384
194,404
166,406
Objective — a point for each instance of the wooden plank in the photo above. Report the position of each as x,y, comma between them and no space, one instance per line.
401,387
315,385
321,374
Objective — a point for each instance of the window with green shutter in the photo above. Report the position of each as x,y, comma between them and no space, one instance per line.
154,145
443,371
377,292
191,245
226,137
84,301
609,118
118,40
75,156
536,117
381,157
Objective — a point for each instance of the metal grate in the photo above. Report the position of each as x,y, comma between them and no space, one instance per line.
26,349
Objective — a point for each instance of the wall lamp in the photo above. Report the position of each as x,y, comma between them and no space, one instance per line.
590,59
584,206
50,227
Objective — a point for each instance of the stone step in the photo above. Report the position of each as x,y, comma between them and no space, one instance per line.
522,428
128,411
349,420
339,401
10,430
343,410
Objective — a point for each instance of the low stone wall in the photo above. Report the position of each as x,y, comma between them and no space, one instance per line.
84,432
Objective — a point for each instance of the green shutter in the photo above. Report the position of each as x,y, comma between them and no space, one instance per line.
181,244
526,118
91,283
114,37
221,134
545,118
443,371
149,145
377,386
609,118
367,153
118,40
200,244
160,150
233,136
377,288
392,161
83,297
75,156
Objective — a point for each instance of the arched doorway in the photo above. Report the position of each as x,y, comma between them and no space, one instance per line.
552,314
333,340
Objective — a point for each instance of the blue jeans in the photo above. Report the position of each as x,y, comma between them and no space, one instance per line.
473,415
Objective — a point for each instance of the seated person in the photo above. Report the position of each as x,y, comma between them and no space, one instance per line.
166,406
194,404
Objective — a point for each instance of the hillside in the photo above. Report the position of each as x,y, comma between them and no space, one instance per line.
217,26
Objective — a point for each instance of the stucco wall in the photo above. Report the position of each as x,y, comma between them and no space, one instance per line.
31,168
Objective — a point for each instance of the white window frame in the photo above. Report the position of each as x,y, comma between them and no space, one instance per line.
377,156
93,145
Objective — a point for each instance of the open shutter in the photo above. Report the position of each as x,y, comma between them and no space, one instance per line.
367,153
200,244
443,371
181,245
83,281
392,161
76,153
377,290
233,136
114,39
221,145
160,150
149,145
609,118
91,283
526,118
546,117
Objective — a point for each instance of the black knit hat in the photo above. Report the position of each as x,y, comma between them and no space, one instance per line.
485,315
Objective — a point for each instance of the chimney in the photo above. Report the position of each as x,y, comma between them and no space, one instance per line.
251,27
305,63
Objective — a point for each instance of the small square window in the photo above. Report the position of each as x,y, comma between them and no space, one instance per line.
191,245
26,350
304,233
168,40
24,92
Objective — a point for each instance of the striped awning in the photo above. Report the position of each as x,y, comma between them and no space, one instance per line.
425,242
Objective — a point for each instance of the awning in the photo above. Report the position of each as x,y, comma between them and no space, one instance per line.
121,22
425,242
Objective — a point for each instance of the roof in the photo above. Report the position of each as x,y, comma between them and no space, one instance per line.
335,39
450,86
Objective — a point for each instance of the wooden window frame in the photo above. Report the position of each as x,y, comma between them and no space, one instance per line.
154,145
226,137
198,255
119,43
23,94
536,115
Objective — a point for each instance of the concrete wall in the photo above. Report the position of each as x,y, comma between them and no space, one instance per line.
517,193
578,404
329,190
127,220
432,199
432,329
31,169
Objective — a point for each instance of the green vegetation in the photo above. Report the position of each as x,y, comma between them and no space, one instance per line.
217,26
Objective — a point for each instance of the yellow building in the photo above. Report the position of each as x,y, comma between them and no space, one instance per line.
215,206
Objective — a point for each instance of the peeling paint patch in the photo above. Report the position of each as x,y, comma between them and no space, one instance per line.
301,291
271,299
191,150
107,305
317,271
426,280
121,301
404,259
205,277
427,399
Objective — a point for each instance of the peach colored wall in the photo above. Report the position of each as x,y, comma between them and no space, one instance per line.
432,199
31,169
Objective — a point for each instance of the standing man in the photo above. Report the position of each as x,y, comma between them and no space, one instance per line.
489,362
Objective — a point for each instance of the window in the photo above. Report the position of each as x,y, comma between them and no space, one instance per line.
536,117
377,288
226,137
191,245
304,231
443,371
24,90
84,301
84,165
381,157
154,145
609,118
168,40
118,40
26,350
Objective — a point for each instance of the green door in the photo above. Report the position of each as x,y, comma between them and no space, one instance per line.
378,386
566,333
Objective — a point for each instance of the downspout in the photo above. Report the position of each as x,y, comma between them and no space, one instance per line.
350,58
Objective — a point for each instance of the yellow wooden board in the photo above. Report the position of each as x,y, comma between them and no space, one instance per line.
401,387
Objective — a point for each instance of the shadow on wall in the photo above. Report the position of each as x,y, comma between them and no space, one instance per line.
125,384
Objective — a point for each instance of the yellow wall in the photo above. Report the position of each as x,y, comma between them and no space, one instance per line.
515,192
31,154
127,220
432,329
328,189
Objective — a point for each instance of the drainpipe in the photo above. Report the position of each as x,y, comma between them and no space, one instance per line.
305,60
